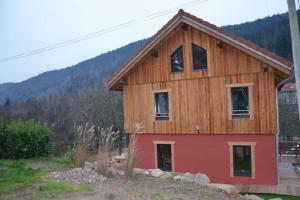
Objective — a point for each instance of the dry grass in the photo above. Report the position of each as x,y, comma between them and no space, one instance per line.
83,139
80,155
102,162
132,157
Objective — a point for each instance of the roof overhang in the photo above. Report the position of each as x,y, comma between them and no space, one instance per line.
282,67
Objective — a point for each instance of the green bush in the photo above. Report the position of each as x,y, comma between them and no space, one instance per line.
25,139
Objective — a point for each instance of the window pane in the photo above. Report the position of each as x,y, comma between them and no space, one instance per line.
199,57
162,106
177,60
240,101
242,160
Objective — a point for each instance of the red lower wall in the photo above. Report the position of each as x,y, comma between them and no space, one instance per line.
209,154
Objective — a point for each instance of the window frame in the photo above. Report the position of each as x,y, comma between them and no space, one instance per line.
179,72
193,58
252,147
169,103
250,100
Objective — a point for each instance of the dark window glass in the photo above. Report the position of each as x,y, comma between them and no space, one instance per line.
161,106
240,102
199,58
177,60
242,160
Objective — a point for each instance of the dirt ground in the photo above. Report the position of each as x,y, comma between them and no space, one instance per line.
149,188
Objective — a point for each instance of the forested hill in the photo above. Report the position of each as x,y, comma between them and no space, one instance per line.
87,73
270,32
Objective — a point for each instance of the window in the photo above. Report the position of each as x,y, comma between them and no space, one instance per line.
240,103
161,106
242,161
199,58
177,60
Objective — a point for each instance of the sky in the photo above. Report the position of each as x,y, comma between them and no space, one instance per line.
27,25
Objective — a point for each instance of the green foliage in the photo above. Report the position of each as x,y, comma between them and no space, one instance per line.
273,196
25,139
14,174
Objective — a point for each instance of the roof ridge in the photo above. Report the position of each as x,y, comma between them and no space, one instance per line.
180,14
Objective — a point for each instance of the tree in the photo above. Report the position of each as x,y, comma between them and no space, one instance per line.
7,103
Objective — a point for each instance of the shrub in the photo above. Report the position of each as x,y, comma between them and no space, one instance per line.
25,140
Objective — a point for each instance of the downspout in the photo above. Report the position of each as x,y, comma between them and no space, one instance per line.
278,87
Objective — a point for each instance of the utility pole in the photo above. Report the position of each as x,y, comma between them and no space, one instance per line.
295,45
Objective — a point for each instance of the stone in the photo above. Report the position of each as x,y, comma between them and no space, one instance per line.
188,177
201,179
89,165
276,198
137,171
178,177
146,172
252,197
229,189
78,176
166,175
115,171
156,172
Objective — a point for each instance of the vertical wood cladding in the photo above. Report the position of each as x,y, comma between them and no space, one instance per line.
199,98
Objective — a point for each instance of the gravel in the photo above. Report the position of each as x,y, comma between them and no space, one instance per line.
78,176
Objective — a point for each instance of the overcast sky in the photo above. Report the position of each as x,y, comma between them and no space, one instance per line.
27,25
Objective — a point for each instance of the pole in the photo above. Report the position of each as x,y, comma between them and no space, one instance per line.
295,46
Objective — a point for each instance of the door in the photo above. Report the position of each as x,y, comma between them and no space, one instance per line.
164,157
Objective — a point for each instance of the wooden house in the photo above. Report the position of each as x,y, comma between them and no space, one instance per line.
207,101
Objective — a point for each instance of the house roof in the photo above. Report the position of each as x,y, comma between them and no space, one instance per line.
289,87
281,64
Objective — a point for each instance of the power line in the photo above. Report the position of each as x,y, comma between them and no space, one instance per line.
102,31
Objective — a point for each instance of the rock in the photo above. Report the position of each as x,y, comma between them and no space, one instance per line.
146,172
276,198
115,171
137,171
156,172
89,166
188,177
178,177
78,176
166,175
253,197
123,156
229,189
201,179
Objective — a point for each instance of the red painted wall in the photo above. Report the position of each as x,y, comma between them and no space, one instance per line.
209,154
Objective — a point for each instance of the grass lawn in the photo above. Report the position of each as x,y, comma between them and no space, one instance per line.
272,196
17,175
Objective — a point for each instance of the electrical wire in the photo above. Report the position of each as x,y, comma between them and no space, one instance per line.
102,31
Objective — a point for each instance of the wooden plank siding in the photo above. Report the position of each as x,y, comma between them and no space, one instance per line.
199,98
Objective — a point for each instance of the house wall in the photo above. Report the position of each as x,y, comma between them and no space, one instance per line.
202,103
209,154
199,98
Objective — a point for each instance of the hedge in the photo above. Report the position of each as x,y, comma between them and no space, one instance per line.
27,139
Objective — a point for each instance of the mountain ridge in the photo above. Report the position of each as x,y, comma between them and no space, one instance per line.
271,33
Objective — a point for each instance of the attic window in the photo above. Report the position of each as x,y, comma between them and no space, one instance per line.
177,60
199,58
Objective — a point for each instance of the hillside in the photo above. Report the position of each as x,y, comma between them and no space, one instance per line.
270,32
87,73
